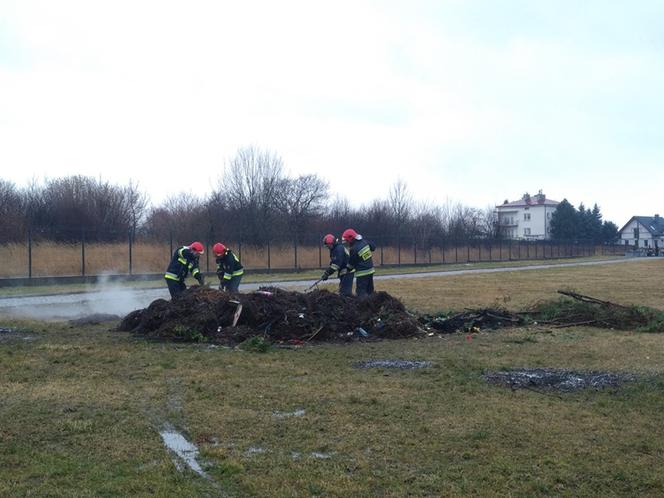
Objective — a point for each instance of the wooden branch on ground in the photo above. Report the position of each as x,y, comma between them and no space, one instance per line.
589,299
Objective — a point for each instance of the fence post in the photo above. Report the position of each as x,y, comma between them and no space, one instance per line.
170,239
269,266
429,253
83,252
381,254
295,253
442,250
130,262
239,250
30,252
415,252
467,251
320,256
398,251
456,251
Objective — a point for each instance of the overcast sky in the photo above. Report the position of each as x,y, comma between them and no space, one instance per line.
471,101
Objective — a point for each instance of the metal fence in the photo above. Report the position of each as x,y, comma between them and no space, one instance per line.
136,255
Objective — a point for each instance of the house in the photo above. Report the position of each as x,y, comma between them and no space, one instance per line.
528,218
643,231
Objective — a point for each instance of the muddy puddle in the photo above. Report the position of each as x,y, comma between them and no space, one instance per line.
185,451
557,380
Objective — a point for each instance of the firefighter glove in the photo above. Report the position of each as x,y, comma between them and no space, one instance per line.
199,277
325,276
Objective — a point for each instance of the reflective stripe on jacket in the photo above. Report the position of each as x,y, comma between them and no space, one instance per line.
229,265
182,262
338,260
360,258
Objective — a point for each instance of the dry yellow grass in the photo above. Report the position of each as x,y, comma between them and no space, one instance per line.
53,259
634,282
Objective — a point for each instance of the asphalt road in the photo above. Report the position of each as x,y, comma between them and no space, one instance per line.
120,301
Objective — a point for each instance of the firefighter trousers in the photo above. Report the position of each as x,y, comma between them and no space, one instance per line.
364,285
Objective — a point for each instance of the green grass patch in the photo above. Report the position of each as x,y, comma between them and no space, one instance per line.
82,408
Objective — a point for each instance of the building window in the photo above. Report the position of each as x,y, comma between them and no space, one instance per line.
636,233
526,216
526,231
645,242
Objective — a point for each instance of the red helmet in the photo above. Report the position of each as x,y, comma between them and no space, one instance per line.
349,235
197,247
219,248
328,240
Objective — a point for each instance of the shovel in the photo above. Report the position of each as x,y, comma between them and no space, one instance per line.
315,284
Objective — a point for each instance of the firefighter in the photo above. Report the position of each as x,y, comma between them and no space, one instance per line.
360,261
338,263
185,260
229,268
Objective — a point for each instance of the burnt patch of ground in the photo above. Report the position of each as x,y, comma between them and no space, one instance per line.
203,314
556,380
396,364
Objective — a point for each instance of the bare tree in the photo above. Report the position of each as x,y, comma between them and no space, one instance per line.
300,200
12,216
251,181
400,202
427,224
136,203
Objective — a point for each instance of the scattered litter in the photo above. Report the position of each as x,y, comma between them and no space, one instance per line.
297,413
473,320
183,449
361,332
398,364
296,455
7,330
560,380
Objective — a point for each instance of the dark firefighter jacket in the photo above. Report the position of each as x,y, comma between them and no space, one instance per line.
360,259
183,262
338,260
229,266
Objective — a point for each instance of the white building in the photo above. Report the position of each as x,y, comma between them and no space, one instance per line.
644,231
528,218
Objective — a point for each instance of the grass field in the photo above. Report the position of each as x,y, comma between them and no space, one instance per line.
81,408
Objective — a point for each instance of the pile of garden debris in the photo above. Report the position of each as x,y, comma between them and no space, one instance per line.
277,315
571,310
203,314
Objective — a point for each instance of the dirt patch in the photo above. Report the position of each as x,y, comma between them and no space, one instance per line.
202,314
556,380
